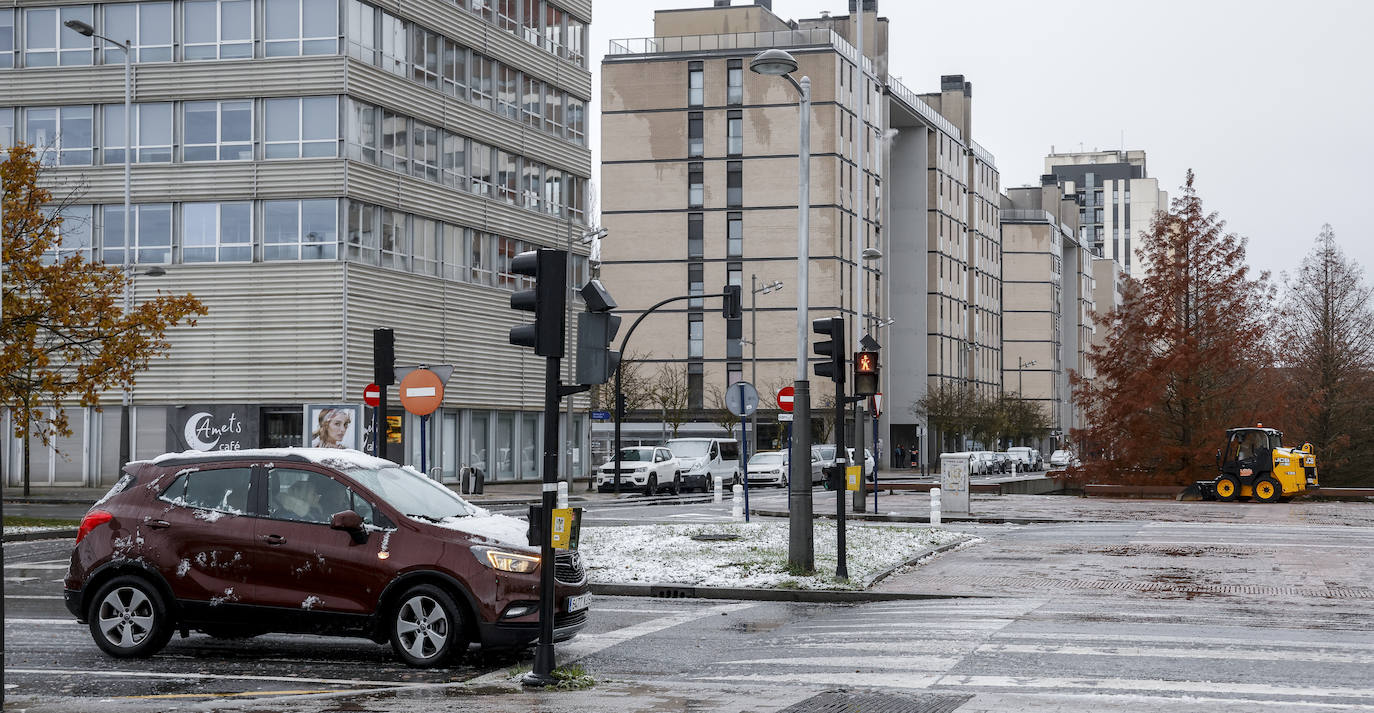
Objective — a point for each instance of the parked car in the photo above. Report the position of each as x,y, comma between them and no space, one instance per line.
702,459
1029,457
1062,459
768,468
1007,463
868,461
646,468
983,463
309,540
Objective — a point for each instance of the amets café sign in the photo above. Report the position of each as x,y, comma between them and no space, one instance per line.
212,427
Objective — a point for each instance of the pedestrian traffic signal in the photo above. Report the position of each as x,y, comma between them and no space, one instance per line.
547,300
865,373
832,327
732,307
596,330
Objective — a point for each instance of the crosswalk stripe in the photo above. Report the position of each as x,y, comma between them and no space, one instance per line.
1230,654
1131,684
587,644
908,663
1199,641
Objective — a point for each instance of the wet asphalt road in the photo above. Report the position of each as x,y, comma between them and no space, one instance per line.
1125,616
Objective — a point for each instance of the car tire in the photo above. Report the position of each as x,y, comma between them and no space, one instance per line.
652,488
1227,487
129,618
426,627
677,483
1267,490
735,480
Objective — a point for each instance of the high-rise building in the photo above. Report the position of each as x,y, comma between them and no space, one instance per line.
1117,200
311,170
700,164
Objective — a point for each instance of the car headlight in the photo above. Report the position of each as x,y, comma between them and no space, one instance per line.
505,560
641,468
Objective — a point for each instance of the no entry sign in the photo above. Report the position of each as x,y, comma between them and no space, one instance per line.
785,398
421,392
372,395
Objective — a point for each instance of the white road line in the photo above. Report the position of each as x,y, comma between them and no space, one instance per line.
43,622
586,645
597,610
33,596
1252,544
20,580
947,624
1247,654
1134,684
908,663
834,678
925,645
1084,701
1183,640
206,676
54,566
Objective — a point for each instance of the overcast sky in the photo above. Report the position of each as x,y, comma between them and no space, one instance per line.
1270,103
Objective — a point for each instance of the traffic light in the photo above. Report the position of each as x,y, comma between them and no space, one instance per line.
732,307
865,373
547,300
832,327
596,329
383,357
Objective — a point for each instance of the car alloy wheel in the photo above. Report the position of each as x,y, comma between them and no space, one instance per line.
128,618
427,627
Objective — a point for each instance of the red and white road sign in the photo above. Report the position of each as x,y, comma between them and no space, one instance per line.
372,395
877,403
421,392
785,398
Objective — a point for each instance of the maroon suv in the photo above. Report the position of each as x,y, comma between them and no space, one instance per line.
316,541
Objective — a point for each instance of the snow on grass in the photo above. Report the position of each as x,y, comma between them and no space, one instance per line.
22,529
660,554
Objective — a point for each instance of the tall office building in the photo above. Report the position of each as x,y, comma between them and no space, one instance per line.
312,170
700,164
1117,200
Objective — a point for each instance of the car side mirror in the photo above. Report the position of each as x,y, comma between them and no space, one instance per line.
350,522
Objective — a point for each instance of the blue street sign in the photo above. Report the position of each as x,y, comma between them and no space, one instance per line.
601,415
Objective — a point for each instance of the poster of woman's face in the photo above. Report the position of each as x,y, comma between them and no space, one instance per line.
334,426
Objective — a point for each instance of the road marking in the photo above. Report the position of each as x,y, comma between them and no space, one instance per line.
834,678
1135,684
945,624
1186,640
33,596
301,692
207,677
636,611
1246,654
20,580
57,565
586,645
907,663
42,622
1170,702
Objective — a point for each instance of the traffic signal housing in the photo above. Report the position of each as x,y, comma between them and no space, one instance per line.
547,300
865,373
596,330
383,357
732,307
832,327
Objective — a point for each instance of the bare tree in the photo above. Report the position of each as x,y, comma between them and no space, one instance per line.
670,394
718,412
636,386
1328,352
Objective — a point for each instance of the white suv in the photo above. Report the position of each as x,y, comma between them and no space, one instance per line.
646,468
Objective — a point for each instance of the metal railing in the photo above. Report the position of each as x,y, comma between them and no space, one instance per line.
983,154
924,110
738,40
1028,215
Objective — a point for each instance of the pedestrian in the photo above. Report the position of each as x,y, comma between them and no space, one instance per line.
897,454
915,456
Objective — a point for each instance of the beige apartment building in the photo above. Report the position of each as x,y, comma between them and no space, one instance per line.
1117,200
699,188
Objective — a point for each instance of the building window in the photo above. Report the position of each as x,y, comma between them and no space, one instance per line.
147,26
300,230
696,84
362,233
553,31
506,250
577,120
532,103
151,225
734,373
395,38
696,285
361,131
424,57
553,111
734,235
531,183
455,161
48,43
424,151
734,140
577,41
734,184
395,142
482,78
62,135
6,42
695,189
218,131
361,32
507,92
302,128
553,191
455,67
395,240
223,29
506,15
695,236
426,246
302,27
695,336
151,133
479,257
696,143
507,176
734,82
73,235
696,392
530,29
217,232
577,199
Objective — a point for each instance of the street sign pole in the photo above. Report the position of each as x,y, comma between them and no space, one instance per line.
543,655
841,456
744,448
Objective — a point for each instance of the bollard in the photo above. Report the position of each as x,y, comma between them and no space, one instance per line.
718,490
737,498
935,506
562,494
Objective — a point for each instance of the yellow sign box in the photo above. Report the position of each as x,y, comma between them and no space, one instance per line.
853,475
562,528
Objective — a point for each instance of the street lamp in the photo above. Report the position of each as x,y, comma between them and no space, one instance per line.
1019,366
88,31
800,545
754,292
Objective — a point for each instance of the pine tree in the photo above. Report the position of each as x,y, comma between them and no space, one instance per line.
1328,355
1187,355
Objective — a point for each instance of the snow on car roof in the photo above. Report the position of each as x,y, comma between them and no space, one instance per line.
331,457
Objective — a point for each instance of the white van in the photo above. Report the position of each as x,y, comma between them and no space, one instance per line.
702,459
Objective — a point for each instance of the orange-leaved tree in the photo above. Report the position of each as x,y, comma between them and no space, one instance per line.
64,334
1188,354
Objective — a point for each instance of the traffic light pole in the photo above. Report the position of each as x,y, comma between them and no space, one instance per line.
841,456
543,656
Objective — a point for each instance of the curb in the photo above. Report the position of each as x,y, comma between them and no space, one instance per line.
40,535
916,559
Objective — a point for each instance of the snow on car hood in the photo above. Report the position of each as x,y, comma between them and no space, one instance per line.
497,529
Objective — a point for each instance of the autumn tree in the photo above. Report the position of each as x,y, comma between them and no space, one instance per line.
1187,355
66,337
1328,359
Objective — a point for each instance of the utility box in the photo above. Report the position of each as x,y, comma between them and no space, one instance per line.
954,485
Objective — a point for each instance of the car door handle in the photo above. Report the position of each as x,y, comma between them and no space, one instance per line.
159,524
274,539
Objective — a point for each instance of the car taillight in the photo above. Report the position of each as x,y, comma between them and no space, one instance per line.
93,519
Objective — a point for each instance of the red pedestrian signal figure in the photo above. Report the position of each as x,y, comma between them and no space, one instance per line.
865,373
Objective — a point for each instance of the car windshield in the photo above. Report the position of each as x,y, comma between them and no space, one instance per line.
827,452
412,494
636,454
765,459
688,449
1059,454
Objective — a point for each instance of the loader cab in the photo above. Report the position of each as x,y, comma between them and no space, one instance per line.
1249,448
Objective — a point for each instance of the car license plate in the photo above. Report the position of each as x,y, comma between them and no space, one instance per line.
579,602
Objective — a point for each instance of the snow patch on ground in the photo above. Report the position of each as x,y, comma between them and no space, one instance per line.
667,554
21,529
